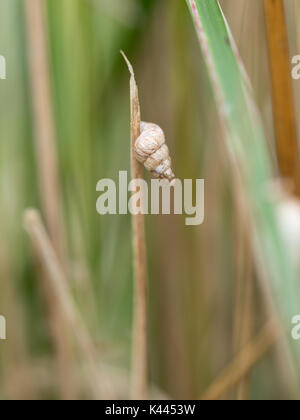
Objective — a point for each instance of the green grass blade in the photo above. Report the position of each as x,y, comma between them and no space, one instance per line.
250,160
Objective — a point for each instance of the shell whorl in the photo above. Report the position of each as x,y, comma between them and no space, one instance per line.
151,150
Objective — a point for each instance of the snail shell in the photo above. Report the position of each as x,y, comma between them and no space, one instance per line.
151,150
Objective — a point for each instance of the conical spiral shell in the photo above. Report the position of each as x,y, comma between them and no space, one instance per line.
151,150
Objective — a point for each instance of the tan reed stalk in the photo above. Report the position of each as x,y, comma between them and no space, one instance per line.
44,127
243,312
244,361
283,102
139,385
246,324
59,292
47,163
64,355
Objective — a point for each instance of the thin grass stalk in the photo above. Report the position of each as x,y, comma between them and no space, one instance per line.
284,114
244,361
63,351
240,252
59,292
243,318
255,265
139,384
247,325
44,127
243,311
59,332
47,165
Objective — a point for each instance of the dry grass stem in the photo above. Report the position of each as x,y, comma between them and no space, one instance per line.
283,101
244,362
47,164
247,325
44,127
139,352
60,296
243,312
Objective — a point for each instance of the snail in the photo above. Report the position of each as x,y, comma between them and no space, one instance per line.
151,150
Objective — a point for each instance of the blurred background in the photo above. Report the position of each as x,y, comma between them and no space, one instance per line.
192,271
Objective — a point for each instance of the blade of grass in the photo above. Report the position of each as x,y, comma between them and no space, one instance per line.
139,352
250,162
283,102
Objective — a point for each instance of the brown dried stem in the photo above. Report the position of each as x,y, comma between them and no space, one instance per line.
47,165
59,299
243,311
283,101
44,127
139,352
244,362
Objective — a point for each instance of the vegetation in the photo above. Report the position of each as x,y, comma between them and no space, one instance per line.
219,295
